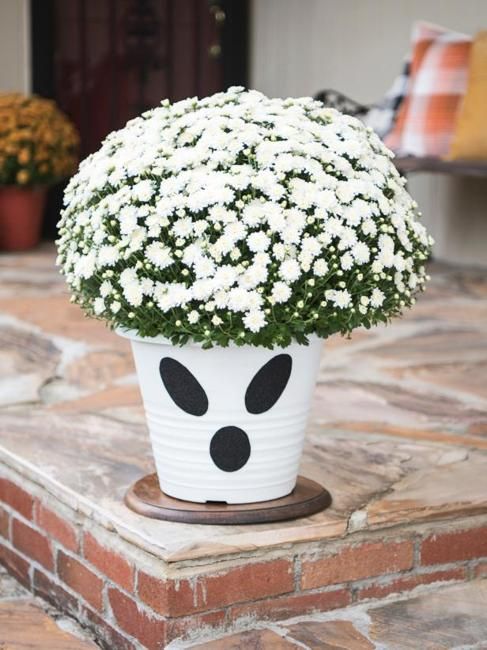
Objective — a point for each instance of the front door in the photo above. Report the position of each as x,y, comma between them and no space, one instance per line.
106,61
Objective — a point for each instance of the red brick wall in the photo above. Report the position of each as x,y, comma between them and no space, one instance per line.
122,602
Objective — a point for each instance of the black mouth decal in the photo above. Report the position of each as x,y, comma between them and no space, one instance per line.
230,446
230,449
183,387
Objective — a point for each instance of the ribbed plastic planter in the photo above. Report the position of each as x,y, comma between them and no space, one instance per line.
226,424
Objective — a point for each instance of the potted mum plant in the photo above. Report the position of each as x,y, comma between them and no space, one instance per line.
38,147
226,238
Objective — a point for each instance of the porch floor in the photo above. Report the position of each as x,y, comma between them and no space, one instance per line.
447,618
26,622
398,436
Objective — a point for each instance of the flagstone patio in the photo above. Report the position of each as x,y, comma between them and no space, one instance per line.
25,623
398,435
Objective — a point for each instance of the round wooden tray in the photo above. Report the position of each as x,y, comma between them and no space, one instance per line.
146,498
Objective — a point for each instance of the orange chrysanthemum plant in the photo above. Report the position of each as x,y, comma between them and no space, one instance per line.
38,143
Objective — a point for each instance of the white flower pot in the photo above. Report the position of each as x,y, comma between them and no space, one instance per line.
225,426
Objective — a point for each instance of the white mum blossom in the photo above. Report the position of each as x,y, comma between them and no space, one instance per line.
254,213
204,267
225,276
258,242
361,252
320,268
342,298
183,227
128,276
128,219
290,270
281,292
377,298
193,317
368,227
133,293
254,320
106,288
108,256
98,306
238,299
346,261
143,190
85,266
159,254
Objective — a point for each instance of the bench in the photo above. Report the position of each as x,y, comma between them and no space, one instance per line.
406,164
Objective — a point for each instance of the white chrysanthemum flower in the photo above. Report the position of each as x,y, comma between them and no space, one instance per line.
225,276
128,219
368,227
361,252
258,242
193,317
290,270
279,251
254,213
106,288
311,246
238,299
342,298
85,266
133,293
183,227
320,268
377,298
281,292
108,256
143,190
346,261
98,306
128,276
159,254
254,320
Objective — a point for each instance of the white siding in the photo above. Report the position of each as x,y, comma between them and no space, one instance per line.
15,45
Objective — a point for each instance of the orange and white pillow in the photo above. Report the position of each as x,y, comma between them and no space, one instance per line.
425,122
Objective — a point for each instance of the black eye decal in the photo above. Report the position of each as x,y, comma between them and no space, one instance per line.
183,388
268,384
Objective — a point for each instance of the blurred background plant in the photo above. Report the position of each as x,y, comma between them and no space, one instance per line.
38,143
38,148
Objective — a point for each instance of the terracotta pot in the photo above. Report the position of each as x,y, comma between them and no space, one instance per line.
21,211
226,424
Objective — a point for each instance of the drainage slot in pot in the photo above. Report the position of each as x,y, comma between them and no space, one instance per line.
217,503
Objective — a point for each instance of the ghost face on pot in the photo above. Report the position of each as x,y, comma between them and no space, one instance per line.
227,418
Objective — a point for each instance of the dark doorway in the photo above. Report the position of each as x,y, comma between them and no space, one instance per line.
106,61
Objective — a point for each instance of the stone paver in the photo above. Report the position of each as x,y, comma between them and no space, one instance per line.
448,618
26,625
329,635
